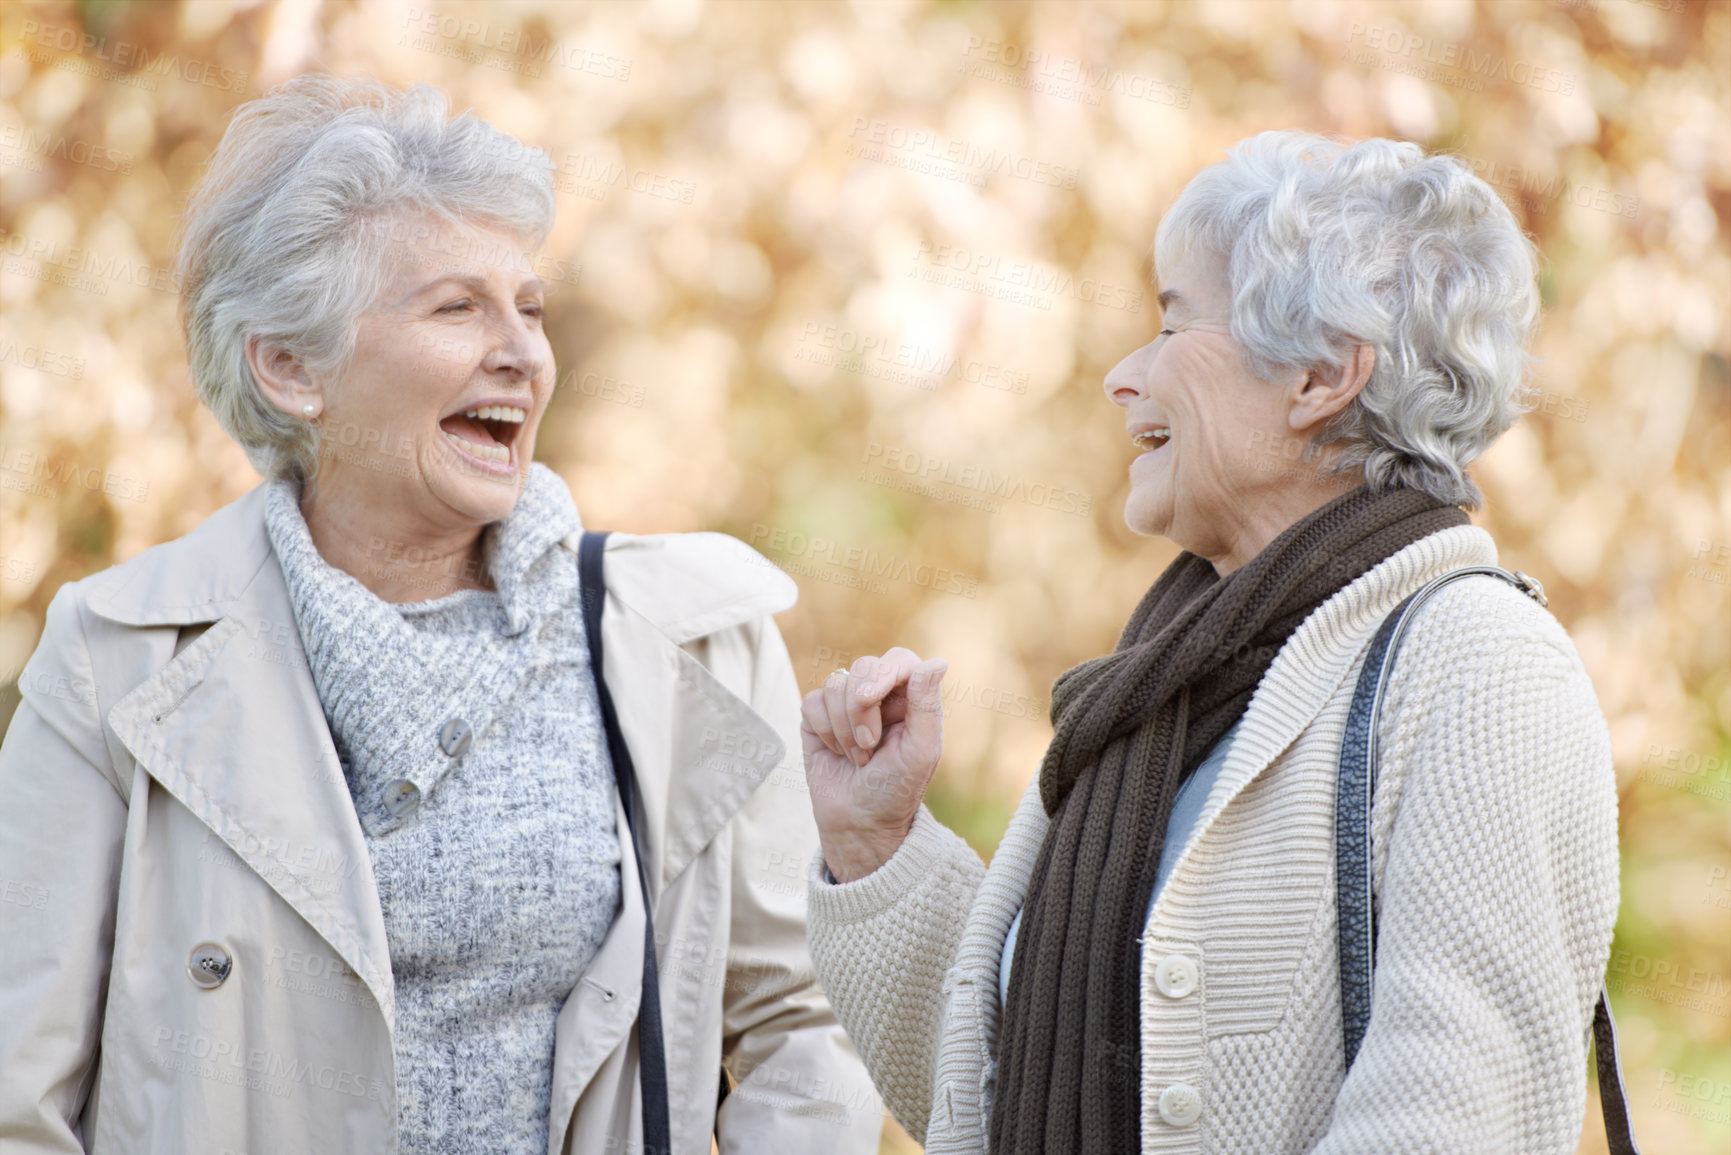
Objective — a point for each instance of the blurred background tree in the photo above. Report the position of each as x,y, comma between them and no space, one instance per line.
843,280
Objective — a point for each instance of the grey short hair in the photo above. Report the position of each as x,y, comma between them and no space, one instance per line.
1328,244
287,235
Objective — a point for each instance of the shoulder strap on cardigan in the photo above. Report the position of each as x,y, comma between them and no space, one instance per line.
1357,915
652,1065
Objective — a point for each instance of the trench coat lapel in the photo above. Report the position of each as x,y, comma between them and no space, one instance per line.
232,728
699,750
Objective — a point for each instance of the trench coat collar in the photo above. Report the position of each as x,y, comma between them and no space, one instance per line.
691,584
686,585
232,726
192,579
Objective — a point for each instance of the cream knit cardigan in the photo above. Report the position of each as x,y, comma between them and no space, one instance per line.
1495,866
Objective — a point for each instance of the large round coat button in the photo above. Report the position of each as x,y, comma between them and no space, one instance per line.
1175,976
455,736
1180,1104
208,965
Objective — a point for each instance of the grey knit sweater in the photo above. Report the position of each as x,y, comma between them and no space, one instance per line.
497,868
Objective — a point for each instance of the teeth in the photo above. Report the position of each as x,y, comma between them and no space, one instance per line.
487,452
1151,439
508,413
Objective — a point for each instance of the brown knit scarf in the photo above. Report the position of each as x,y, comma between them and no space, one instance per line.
1130,727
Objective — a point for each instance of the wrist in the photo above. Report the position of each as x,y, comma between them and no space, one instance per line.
852,854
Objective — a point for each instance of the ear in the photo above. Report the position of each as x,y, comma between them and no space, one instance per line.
282,378
1325,392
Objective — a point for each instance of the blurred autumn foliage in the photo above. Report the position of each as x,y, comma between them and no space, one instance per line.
843,280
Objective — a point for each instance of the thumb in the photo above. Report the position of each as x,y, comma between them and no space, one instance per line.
925,719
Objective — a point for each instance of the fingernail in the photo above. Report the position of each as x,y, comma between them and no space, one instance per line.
861,757
863,736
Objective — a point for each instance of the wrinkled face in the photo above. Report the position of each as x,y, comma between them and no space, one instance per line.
1202,420
436,411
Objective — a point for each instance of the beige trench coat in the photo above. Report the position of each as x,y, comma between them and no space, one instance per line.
169,781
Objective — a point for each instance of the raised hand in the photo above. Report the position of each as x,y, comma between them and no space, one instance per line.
872,737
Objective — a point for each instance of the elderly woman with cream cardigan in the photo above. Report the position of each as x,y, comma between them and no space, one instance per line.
321,799
1150,961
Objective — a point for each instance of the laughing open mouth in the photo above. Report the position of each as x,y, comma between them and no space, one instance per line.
487,433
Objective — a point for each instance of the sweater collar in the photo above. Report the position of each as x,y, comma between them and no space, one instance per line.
388,687
511,548
543,516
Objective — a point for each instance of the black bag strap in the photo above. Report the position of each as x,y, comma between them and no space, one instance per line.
1354,792
652,1068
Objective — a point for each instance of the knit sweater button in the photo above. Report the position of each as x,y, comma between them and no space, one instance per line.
1175,976
455,736
1181,1104
401,797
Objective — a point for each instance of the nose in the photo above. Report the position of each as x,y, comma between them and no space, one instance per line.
1128,379
515,353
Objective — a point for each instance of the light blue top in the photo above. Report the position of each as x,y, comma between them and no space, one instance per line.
1186,809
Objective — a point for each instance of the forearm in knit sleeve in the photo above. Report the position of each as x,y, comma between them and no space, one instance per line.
882,945
1498,896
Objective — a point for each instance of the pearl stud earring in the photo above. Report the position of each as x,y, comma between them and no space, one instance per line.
307,409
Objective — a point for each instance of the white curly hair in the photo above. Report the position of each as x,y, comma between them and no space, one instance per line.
1328,244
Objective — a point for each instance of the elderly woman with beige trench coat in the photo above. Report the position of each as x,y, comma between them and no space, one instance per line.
311,840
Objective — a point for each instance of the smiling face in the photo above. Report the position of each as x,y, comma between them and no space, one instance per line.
1218,443
452,361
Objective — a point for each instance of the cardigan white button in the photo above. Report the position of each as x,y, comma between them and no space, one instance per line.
1180,1104
1175,976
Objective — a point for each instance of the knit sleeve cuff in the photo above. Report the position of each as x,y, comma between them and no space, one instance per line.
929,846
